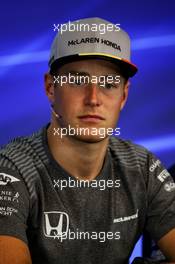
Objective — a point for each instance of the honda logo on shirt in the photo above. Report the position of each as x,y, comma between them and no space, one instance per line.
56,224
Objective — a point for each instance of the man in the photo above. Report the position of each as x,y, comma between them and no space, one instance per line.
73,193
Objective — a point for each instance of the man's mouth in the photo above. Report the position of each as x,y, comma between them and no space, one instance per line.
91,118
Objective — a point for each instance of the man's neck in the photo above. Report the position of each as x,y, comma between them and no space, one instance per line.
80,159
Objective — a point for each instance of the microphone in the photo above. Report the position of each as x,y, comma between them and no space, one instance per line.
55,114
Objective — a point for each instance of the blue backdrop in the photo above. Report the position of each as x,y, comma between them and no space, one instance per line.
26,33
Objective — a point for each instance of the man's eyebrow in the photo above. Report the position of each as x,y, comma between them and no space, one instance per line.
112,74
73,72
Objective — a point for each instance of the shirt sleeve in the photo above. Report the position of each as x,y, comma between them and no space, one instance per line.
161,199
14,204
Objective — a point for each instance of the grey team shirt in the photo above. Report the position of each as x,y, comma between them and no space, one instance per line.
95,223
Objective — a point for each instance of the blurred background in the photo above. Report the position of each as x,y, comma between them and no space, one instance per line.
26,32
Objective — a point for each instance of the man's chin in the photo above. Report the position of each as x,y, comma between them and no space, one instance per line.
90,138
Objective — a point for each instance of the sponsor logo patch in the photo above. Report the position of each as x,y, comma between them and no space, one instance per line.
169,187
56,224
6,178
126,218
7,211
88,40
163,175
154,165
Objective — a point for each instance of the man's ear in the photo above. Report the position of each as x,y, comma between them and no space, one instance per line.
49,87
125,94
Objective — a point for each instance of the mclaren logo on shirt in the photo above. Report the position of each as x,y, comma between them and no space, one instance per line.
56,224
6,178
126,218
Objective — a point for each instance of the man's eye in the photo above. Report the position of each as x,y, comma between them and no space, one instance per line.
77,80
109,86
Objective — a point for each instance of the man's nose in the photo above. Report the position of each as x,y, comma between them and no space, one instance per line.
92,96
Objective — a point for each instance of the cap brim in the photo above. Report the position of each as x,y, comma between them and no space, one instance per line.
128,69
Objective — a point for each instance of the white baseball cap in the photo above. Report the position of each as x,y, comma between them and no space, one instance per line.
84,39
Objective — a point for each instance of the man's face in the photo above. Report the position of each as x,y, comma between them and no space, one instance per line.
90,106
